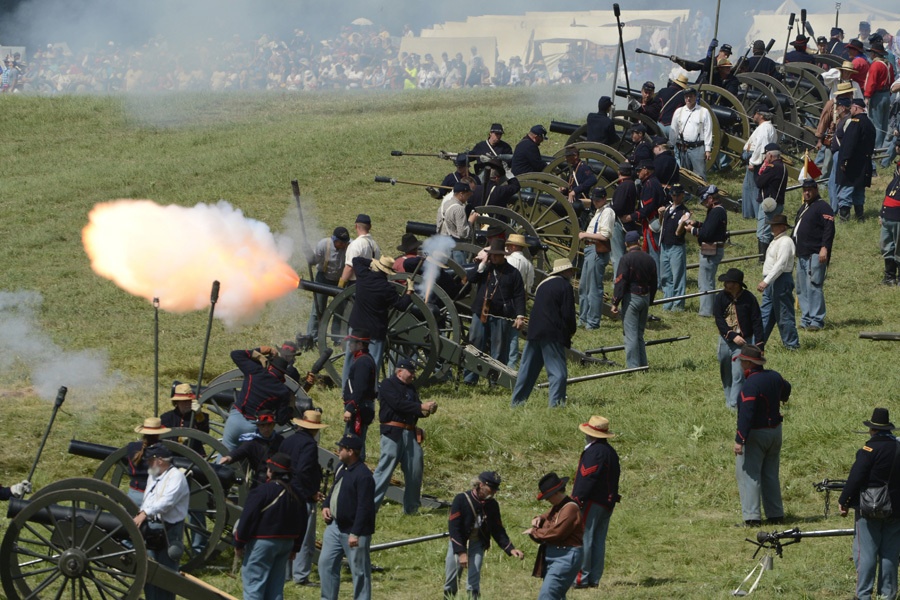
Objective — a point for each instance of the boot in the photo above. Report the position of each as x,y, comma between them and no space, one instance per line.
890,272
762,247
858,212
844,213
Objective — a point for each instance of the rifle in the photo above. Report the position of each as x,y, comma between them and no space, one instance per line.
618,348
881,336
596,376
730,260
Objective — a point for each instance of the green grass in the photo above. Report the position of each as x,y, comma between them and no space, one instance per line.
672,536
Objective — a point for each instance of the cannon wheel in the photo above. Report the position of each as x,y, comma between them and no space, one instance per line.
90,485
231,381
517,224
550,215
207,497
597,156
807,90
412,334
769,87
69,558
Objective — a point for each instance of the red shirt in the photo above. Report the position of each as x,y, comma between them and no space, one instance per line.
878,78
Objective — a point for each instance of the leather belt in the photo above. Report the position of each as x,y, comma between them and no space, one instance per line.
692,144
405,426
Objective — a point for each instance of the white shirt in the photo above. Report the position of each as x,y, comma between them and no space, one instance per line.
363,246
761,137
329,259
455,224
603,222
779,258
692,126
167,498
524,267
447,202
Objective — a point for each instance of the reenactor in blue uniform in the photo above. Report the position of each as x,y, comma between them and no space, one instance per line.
877,542
474,520
757,443
527,155
183,415
581,178
634,290
650,104
462,171
399,413
257,447
596,489
493,147
360,390
263,388
269,532
600,127
760,63
799,53
623,203
643,146
711,235
349,512
813,237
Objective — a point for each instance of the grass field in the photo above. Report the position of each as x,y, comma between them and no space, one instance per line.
671,537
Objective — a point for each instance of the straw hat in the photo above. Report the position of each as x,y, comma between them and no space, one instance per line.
597,427
516,239
152,426
561,265
384,264
312,419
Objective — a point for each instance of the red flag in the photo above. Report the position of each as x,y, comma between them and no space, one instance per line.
811,168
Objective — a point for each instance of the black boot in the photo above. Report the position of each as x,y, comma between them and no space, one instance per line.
762,247
844,213
890,272
859,213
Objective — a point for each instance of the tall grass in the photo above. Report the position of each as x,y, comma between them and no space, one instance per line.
673,534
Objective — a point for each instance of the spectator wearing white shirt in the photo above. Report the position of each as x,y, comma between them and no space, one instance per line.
754,154
777,285
597,248
515,243
691,134
165,507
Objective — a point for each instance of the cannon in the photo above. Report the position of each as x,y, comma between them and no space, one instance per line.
77,538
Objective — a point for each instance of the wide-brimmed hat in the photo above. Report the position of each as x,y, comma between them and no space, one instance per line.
408,243
490,478
778,219
498,246
734,276
550,484
360,335
279,464
844,88
856,45
597,427
801,40
561,265
877,48
152,426
497,127
384,264
493,231
183,391
681,81
724,64
752,353
847,66
312,419
516,239
881,420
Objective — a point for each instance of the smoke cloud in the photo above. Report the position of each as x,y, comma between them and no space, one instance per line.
437,248
175,253
24,344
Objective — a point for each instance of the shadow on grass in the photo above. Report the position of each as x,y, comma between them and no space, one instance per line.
856,322
649,582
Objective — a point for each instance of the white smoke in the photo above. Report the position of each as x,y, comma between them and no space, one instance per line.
23,344
438,248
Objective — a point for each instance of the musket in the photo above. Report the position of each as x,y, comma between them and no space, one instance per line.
618,13
879,336
787,44
596,376
619,348
394,181
729,260
837,13
213,298
295,189
416,540
684,297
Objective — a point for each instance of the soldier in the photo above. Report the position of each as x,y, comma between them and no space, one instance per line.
363,246
757,443
854,172
856,52
650,104
597,248
771,180
813,237
474,520
462,171
890,228
753,156
600,126
329,257
559,533
652,199
306,481
263,388
760,63
527,155
672,97
691,134
499,304
186,413
672,258
841,114
777,286
799,53
634,290
135,460
497,190
596,489
877,541
643,147
452,220
493,147
360,390
836,44
401,440
257,447
349,512
581,178
711,236
724,77
623,203
409,246
739,323
552,325
515,245
667,171
269,532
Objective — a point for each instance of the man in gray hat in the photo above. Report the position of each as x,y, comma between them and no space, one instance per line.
551,327
777,285
877,541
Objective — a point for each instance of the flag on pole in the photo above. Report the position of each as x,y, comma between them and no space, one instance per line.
810,169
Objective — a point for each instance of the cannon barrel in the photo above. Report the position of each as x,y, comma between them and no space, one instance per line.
427,229
415,540
55,514
319,288
225,474
563,127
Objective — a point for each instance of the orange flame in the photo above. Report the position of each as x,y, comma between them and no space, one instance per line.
175,253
